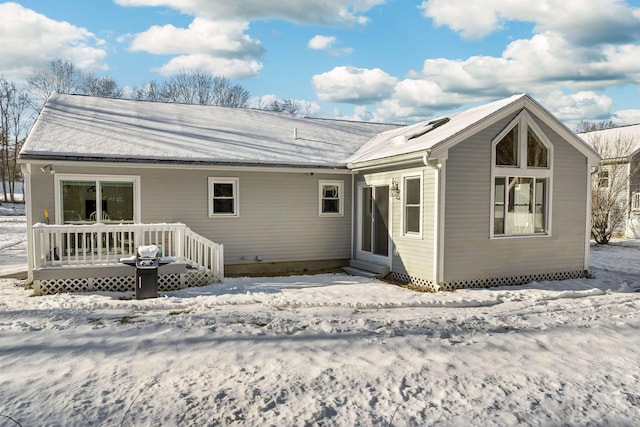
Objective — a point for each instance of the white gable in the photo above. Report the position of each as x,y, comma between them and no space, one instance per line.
427,134
437,135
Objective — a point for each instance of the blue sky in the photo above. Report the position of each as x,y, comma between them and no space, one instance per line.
378,60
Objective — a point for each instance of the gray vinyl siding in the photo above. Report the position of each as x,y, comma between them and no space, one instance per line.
469,253
279,214
410,255
42,196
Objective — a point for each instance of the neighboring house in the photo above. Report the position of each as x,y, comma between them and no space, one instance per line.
498,194
620,173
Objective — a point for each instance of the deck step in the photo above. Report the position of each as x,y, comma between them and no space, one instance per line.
361,273
377,269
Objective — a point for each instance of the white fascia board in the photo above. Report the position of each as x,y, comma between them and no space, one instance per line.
211,166
399,160
567,134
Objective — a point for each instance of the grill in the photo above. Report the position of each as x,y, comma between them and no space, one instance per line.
147,261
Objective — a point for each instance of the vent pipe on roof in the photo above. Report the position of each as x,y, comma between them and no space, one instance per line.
295,133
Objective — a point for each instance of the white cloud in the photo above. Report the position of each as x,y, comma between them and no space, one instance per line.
225,67
219,47
327,43
30,40
321,42
360,114
350,84
581,21
221,38
326,12
540,64
627,117
572,108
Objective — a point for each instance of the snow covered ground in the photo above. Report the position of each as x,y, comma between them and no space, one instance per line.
13,241
328,350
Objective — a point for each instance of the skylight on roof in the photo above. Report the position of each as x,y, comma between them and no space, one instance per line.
428,127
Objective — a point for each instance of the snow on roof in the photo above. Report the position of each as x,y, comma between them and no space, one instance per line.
630,133
427,134
85,127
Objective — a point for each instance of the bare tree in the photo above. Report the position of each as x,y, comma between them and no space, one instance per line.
610,203
105,87
59,76
151,91
589,126
289,105
229,95
14,115
194,88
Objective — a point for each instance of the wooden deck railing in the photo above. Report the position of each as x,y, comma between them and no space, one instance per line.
100,244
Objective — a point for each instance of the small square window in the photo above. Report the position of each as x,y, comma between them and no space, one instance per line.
635,201
331,198
223,197
603,179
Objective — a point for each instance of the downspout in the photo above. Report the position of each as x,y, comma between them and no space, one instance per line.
438,252
353,213
26,173
587,249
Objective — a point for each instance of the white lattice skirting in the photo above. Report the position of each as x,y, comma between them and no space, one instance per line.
166,282
486,283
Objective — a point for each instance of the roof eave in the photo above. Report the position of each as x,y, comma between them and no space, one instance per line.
170,163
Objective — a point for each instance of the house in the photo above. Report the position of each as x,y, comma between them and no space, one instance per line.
620,174
498,194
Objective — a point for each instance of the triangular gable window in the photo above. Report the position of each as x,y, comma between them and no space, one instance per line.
537,153
507,149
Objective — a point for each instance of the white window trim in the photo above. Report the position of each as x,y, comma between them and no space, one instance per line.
523,171
635,201
403,195
59,177
340,184
236,196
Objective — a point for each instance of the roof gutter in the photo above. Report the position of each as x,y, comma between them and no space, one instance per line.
401,160
155,164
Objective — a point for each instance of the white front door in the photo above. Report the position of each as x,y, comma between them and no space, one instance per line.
374,221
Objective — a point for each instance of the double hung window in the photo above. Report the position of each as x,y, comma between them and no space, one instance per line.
521,179
331,198
223,197
412,209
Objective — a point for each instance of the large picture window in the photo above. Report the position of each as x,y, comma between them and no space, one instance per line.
223,197
331,198
521,175
520,205
105,199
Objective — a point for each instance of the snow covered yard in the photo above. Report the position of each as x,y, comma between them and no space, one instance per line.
329,350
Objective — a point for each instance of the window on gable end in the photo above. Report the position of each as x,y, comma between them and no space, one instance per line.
537,153
507,149
522,180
